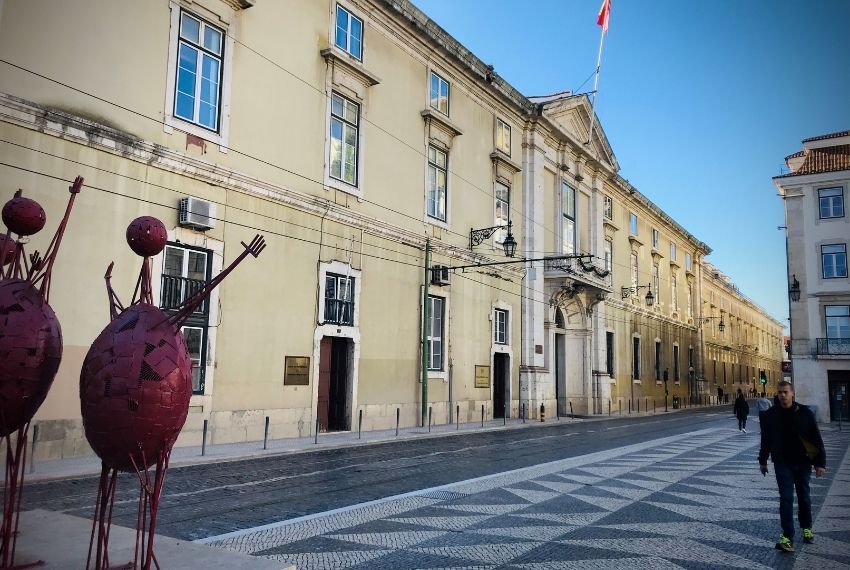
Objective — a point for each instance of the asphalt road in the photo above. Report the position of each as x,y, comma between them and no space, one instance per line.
212,499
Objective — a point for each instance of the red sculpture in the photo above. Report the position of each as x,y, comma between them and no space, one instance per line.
30,345
135,387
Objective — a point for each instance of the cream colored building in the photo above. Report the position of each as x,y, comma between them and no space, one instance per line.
353,134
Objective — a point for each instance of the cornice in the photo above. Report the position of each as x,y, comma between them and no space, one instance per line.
500,159
430,115
335,56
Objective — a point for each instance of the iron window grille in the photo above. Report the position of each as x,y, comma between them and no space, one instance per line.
339,299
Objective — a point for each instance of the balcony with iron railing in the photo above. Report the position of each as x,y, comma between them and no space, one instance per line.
339,312
833,347
580,269
175,290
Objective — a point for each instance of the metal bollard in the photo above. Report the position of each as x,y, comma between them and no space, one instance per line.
482,415
572,415
505,414
457,417
429,419
542,413
316,440
557,410
653,405
35,440
630,405
609,407
523,413
397,416
637,403
359,423
266,435
204,438
620,405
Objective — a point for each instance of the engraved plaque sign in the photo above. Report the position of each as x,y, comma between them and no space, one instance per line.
297,371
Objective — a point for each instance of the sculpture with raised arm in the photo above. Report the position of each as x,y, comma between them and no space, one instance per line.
135,387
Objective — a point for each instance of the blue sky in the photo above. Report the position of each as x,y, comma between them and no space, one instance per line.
701,101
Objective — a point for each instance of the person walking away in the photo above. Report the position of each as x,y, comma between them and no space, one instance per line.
790,436
762,405
742,410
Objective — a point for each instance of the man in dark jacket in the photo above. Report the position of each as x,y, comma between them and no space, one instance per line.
790,435
742,410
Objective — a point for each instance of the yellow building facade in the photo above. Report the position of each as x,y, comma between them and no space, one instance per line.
360,139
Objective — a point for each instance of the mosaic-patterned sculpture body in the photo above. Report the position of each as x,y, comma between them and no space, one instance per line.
135,387
30,352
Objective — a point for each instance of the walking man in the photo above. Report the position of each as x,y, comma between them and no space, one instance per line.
790,436
742,410
762,405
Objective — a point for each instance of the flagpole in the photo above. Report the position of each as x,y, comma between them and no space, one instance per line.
595,87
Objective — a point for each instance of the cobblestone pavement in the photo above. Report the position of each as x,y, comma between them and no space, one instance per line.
693,500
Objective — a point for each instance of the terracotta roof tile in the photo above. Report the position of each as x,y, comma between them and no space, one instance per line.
829,136
826,159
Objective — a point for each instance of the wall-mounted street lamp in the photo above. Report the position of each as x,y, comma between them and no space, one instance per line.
477,237
627,292
721,326
794,289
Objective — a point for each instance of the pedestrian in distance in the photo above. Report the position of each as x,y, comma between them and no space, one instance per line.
790,436
742,410
762,405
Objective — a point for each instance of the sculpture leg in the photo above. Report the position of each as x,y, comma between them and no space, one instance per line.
149,498
16,458
102,521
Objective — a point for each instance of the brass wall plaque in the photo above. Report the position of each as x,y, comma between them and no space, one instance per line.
482,376
297,371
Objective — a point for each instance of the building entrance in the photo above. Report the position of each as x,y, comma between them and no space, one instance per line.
839,390
334,401
501,383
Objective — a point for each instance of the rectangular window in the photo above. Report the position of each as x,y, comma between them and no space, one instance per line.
503,206
654,238
690,300
609,353
676,377
503,136
633,224
200,52
435,332
837,321
672,251
345,124
635,358
831,202
687,262
714,370
656,282
634,269
339,299
568,219
834,260
438,167
608,207
658,360
439,94
608,254
501,326
185,272
349,32
690,357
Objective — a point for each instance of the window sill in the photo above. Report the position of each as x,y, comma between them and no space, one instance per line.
334,184
173,123
500,160
610,224
351,65
432,116
633,239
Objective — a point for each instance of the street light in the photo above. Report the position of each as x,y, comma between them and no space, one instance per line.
721,326
627,292
794,289
477,237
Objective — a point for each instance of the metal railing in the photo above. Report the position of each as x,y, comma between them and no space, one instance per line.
339,312
175,290
833,346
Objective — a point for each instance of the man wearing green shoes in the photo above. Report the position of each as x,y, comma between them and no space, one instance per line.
790,436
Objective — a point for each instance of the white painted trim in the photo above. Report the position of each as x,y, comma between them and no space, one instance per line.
444,373
506,348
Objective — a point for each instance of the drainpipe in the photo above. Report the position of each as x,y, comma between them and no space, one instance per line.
426,318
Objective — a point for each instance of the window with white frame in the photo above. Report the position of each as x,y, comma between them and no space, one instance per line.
654,238
439,94
634,269
674,293
339,299
344,139
633,224
834,260
200,55
831,202
687,261
837,321
436,332
185,271
656,281
676,363
503,136
503,206
635,358
349,32
568,219
672,251
608,207
690,300
657,360
436,198
609,353
608,255
501,326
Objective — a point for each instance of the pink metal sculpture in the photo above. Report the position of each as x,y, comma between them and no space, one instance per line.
30,345
135,387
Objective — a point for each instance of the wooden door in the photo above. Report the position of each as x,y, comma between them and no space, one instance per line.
324,382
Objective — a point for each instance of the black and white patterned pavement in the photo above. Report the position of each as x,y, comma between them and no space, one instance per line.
691,501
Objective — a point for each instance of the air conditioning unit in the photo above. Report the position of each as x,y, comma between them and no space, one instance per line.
439,275
197,214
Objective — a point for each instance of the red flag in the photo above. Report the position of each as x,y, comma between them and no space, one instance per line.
604,15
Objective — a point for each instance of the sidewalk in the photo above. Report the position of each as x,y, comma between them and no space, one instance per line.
194,455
